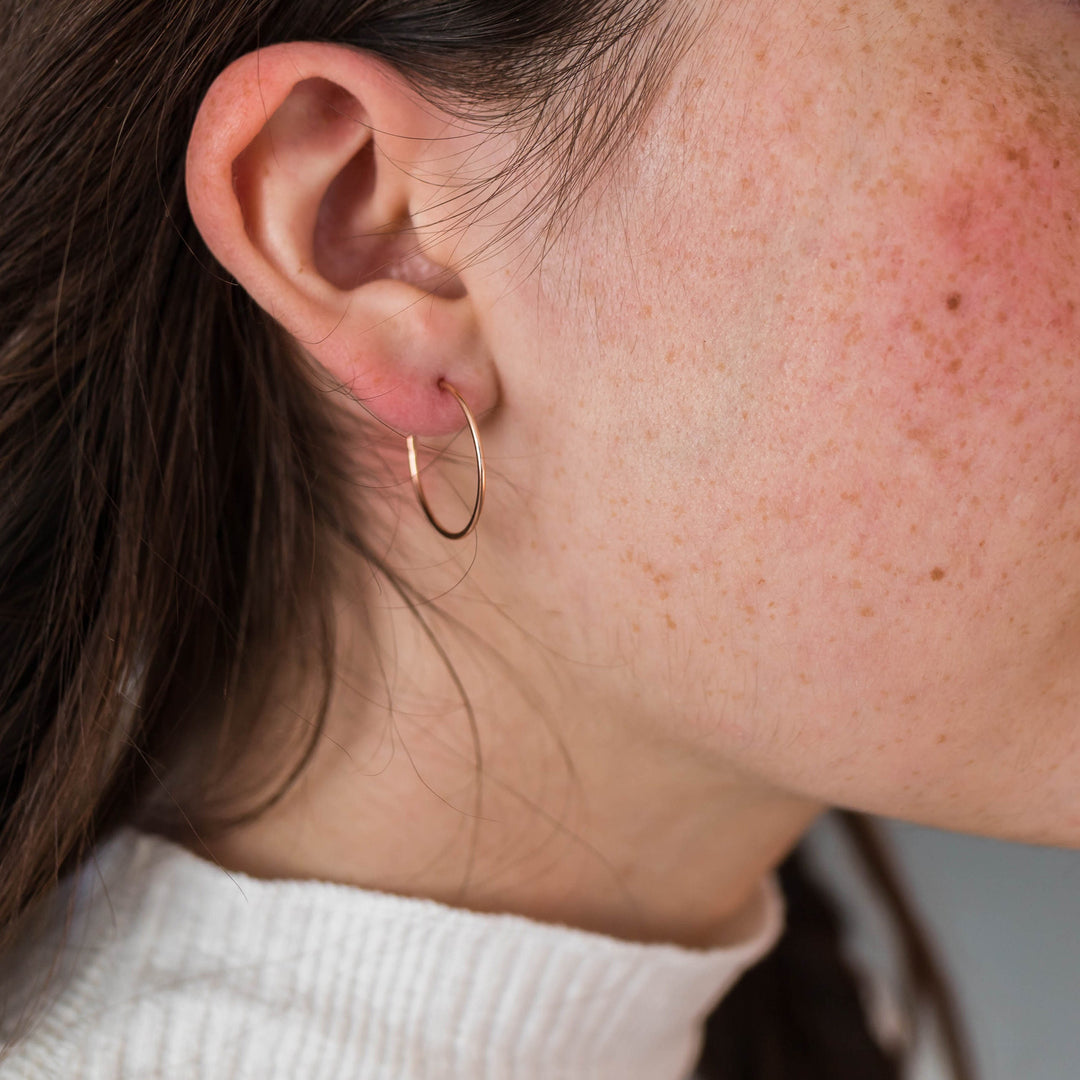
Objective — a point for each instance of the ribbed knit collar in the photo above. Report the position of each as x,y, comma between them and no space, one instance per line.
177,969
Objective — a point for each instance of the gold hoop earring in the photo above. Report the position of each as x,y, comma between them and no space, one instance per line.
481,479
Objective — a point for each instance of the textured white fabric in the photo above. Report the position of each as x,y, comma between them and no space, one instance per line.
176,969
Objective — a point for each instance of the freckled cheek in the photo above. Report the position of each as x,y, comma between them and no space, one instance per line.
1007,234
939,462
927,474
951,352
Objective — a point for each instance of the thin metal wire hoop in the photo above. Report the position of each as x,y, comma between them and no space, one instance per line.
481,476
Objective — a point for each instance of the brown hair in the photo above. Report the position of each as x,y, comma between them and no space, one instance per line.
168,475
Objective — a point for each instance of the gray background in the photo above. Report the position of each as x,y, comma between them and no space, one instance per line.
1006,920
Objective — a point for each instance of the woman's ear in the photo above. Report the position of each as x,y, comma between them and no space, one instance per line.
323,183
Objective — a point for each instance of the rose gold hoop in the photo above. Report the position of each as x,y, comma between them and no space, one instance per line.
481,478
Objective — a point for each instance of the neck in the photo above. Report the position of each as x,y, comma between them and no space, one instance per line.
533,795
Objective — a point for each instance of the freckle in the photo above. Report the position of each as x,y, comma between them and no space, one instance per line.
954,366
866,612
670,357
1057,163
670,622
952,301
977,62
937,574
1021,156
941,738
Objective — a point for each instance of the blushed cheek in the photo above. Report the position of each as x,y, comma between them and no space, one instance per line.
1003,233
971,336
955,251
931,468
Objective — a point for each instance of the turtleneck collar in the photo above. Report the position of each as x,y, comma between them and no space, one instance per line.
175,968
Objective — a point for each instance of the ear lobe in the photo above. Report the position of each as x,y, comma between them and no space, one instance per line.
305,172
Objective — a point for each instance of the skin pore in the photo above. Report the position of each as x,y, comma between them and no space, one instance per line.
783,440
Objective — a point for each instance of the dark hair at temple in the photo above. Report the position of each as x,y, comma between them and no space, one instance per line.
167,474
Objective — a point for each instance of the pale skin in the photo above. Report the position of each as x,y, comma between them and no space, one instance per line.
784,438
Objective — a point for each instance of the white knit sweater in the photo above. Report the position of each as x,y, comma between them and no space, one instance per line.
176,969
